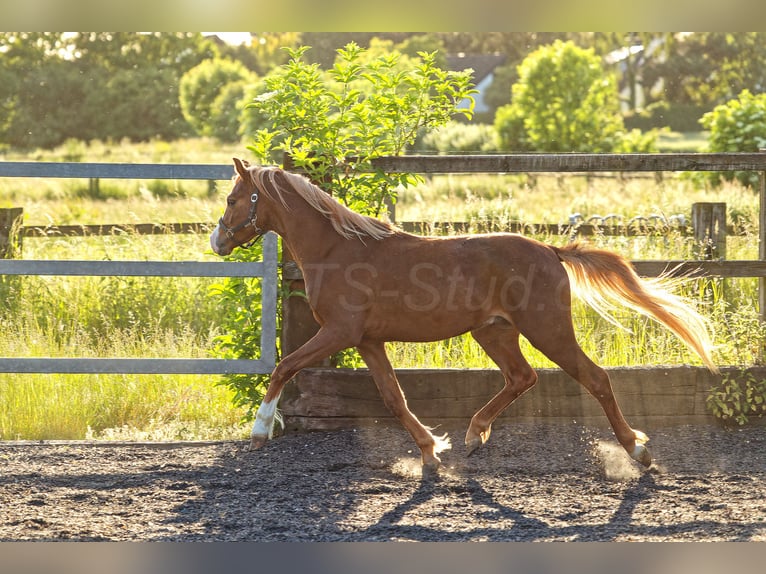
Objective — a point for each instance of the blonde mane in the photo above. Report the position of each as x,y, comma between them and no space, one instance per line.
345,222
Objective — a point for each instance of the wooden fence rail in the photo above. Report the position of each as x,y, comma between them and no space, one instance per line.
114,229
572,162
513,163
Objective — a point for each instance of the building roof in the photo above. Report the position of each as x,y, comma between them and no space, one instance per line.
481,64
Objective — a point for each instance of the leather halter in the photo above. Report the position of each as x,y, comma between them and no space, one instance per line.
252,217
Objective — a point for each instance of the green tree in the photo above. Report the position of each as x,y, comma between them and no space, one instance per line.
361,108
430,43
94,85
564,101
41,94
134,104
264,51
711,68
48,106
177,51
202,86
737,126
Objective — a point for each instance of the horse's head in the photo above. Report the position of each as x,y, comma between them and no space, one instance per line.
239,224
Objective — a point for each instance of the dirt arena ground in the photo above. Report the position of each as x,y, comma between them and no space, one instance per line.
531,482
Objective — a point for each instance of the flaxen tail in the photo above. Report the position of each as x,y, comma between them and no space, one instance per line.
603,279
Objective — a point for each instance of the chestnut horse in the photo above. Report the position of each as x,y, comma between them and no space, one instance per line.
368,283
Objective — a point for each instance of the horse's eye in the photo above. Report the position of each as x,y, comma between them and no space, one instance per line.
231,201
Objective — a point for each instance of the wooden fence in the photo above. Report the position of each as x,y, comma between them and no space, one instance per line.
267,269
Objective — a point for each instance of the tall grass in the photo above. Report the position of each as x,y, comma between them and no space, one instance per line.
167,317
112,317
545,198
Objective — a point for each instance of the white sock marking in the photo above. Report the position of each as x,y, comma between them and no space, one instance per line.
264,420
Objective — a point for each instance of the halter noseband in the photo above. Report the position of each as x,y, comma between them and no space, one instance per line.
249,222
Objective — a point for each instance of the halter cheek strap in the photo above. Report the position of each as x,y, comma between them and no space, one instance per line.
252,217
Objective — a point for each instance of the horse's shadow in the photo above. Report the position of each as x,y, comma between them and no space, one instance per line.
390,524
524,526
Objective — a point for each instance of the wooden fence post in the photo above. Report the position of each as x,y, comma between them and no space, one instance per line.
709,224
10,232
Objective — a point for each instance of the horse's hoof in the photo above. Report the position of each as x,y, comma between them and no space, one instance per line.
475,440
641,454
431,468
472,445
256,442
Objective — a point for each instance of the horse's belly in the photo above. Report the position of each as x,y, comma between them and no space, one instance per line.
416,326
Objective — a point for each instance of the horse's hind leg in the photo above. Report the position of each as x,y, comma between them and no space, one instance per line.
554,336
374,355
501,343
596,381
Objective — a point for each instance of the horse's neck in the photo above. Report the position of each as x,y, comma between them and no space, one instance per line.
309,235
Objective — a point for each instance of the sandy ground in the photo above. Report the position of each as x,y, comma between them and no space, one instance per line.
531,482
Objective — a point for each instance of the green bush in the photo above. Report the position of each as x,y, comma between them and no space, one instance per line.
333,123
511,129
563,101
226,110
637,141
252,120
200,90
737,126
736,399
460,137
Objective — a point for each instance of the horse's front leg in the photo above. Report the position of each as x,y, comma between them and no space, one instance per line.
320,346
374,354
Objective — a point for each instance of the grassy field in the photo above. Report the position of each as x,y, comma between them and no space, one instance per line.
157,317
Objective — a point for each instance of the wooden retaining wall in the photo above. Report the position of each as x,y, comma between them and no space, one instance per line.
330,399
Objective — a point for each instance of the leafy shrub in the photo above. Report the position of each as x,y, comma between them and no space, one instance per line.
737,126
460,137
511,129
736,399
226,110
637,141
564,101
252,120
333,123
200,90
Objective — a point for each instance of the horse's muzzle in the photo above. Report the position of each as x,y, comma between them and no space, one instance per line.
219,242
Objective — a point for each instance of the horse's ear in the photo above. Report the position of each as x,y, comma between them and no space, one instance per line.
241,166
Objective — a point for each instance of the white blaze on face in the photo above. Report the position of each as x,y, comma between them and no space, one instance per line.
214,240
